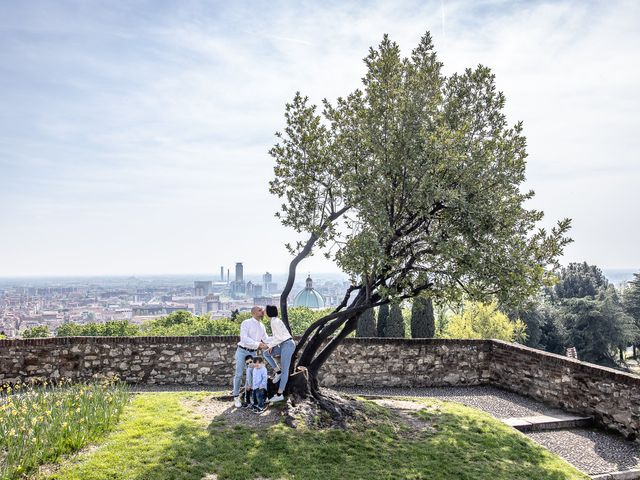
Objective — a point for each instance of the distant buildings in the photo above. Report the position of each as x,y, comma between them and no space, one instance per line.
268,285
202,288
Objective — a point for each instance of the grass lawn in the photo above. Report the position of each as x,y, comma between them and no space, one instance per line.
161,436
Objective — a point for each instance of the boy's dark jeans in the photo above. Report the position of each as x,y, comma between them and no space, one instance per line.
248,395
259,394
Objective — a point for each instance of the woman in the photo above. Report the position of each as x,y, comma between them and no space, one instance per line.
280,344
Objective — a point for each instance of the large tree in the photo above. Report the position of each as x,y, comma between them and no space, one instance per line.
411,184
597,326
579,280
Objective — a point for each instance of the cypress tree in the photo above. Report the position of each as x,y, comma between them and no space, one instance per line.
423,323
366,324
383,317
631,301
395,323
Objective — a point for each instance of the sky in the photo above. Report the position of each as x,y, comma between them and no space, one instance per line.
134,134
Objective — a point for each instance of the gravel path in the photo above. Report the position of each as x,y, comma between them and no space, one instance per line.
497,402
591,451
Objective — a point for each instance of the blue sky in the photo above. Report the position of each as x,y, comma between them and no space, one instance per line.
134,135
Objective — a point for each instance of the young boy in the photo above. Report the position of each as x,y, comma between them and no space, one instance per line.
259,383
247,397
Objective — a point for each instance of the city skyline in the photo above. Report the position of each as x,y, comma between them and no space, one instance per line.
134,137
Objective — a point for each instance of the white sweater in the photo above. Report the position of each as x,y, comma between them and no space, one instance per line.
280,332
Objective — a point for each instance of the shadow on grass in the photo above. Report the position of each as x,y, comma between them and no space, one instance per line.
460,447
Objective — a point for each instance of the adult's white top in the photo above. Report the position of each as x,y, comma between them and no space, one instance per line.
280,332
252,332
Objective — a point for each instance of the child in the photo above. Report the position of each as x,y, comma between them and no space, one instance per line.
248,400
259,383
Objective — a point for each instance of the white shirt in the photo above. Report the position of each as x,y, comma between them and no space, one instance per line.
280,333
252,332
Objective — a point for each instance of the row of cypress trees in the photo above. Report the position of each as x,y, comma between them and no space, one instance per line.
390,322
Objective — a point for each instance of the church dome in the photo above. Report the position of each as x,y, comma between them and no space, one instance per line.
309,297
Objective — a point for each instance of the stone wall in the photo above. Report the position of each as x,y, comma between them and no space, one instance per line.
393,362
210,360
610,396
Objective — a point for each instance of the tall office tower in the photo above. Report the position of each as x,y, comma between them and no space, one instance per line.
239,270
222,274
267,278
227,275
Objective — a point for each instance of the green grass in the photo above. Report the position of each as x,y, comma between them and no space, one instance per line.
40,423
158,438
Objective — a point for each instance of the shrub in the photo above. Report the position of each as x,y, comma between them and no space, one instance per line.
40,331
115,328
481,320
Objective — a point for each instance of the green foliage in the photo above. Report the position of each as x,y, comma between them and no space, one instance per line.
383,318
301,317
115,328
161,437
183,323
631,300
40,423
367,324
41,331
395,323
481,320
597,326
579,280
415,181
422,318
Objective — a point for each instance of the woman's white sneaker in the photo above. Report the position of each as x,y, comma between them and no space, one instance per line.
237,402
277,398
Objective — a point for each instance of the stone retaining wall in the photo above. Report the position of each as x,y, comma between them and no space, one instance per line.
610,396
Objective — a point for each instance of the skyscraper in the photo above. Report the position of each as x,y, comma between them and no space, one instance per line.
222,274
239,272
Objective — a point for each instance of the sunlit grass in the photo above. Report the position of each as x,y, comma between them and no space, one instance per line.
159,438
40,423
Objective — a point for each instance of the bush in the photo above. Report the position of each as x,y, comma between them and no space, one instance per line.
182,323
40,423
116,328
41,331
481,320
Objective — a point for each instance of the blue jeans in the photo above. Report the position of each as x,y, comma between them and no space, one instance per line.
258,395
285,351
241,354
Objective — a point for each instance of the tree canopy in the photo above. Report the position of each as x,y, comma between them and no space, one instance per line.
411,183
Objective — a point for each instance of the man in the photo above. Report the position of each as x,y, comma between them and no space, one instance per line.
252,337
